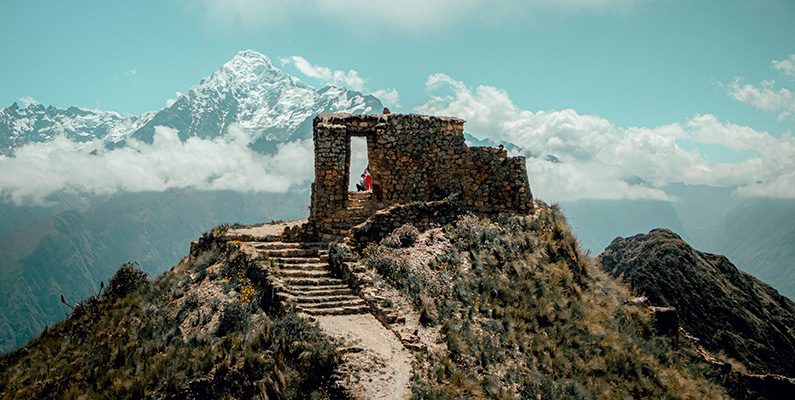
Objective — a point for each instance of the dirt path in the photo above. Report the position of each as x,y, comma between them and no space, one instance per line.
376,365
266,229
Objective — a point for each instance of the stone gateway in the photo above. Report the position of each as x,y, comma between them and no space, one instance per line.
413,158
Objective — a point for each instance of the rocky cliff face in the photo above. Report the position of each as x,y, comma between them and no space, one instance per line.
729,310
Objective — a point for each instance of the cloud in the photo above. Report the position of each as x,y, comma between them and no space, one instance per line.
412,16
765,97
350,79
600,160
38,170
389,97
27,100
785,66
782,186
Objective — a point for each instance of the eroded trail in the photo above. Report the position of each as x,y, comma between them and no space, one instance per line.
375,363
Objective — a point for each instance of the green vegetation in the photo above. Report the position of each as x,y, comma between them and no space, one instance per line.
524,313
197,331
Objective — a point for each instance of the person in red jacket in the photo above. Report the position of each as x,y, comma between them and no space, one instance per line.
368,185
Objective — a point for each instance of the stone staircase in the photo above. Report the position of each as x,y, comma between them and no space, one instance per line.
302,274
359,207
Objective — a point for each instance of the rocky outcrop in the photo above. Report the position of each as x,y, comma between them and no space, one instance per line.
729,310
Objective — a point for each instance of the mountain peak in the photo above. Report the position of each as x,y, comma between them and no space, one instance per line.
252,55
246,67
251,58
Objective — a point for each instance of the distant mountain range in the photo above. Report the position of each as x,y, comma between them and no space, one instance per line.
248,91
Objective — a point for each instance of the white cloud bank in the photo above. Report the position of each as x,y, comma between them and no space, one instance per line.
598,159
766,97
225,163
349,79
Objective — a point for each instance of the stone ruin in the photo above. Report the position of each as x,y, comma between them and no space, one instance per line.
413,159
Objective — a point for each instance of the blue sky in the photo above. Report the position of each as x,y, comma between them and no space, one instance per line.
624,65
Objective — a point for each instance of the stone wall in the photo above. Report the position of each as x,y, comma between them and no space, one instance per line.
412,158
423,215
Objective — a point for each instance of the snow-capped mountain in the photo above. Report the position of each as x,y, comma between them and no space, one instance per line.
248,91
35,123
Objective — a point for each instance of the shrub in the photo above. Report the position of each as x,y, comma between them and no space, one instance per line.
87,306
191,302
339,252
405,236
233,318
128,278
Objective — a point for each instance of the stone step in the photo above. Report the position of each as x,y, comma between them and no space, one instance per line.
351,302
301,260
306,281
326,299
303,273
320,290
289,245
293,252
303,267
361,309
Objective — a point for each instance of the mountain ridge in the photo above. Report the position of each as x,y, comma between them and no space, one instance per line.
728,309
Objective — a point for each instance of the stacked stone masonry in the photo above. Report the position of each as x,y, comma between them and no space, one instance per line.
412,158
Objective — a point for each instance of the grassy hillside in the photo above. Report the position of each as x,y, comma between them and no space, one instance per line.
198,331
520,312
524,313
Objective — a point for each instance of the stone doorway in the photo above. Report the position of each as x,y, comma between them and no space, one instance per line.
359,161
